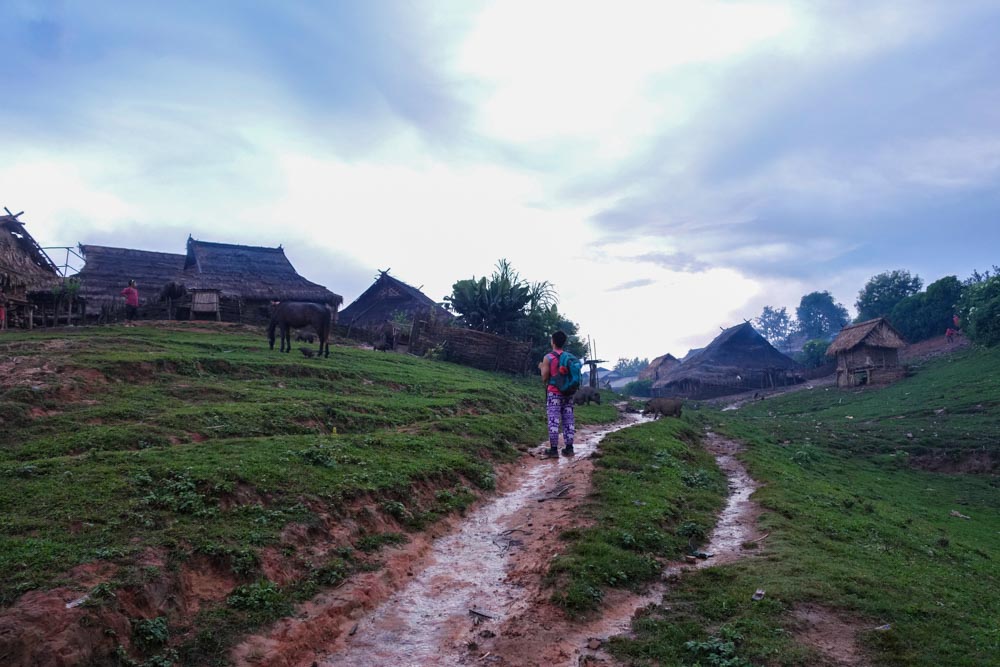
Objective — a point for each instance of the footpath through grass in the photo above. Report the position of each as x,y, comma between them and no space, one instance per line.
115,441
855,529
655,493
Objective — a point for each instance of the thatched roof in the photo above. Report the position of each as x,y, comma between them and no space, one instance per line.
108,270
249,272
658,368
384,299
873,333
23,263
737,351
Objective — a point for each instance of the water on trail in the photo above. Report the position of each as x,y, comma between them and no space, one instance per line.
426,621
736,524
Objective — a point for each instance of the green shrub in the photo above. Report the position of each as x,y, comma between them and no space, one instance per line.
980,311
151,632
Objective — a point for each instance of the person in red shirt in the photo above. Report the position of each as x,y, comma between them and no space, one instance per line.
131,295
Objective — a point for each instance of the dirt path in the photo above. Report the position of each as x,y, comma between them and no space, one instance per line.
495,563
542,636
492,564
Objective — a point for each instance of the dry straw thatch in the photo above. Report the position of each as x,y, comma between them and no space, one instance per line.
24,266
739,359
873,333
387,298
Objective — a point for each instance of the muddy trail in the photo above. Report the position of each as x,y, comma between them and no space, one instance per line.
476,595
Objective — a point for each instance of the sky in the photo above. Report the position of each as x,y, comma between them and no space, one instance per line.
670,167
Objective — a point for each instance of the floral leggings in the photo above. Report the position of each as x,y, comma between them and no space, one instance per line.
559,407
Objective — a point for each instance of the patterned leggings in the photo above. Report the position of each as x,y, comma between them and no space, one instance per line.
558,406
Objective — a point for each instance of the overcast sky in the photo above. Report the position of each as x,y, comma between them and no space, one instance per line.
670,166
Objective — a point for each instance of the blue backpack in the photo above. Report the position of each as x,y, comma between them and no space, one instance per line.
569,374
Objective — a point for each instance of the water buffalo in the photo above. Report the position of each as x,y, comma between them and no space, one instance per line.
668,407
585,395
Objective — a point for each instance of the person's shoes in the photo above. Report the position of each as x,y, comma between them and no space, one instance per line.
552,451
568,450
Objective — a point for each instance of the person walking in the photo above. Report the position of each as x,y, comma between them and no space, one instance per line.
131,295
558,408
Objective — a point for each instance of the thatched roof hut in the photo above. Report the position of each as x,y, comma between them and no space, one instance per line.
658,368
867,353
738,360
385,300
107,271
243,280
250,273
24,266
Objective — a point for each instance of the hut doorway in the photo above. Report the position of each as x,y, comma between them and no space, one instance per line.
205,302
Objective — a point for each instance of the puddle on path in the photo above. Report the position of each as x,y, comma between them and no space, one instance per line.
736,525
427,622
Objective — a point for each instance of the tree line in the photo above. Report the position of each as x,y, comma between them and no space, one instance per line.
971,306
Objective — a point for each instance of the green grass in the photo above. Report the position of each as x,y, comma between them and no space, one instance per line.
654,491
114,440
854,527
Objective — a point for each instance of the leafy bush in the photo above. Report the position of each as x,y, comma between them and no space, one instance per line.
151,632
260,595
638,388
719,651
814,353
980,311
927,314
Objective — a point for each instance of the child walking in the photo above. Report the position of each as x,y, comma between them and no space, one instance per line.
558,408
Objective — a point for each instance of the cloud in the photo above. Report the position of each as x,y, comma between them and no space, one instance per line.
807,161
632,284
674,261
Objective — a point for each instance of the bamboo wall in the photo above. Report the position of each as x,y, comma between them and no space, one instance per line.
865,364
470,348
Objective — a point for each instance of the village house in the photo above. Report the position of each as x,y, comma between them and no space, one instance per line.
387,300
27,275
738,360
867,353
658,368
222,281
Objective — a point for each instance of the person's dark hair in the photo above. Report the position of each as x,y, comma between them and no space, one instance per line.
559,338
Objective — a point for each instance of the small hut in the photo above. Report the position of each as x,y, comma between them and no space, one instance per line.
25,271
237,283
658,368
390,299
867,353
738,360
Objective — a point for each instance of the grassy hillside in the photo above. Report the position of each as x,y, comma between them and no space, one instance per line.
193,444
856,528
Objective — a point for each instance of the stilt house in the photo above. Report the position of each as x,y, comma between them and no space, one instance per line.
107,271
738,360
867,353
390,299
233,283
237,283
25,271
